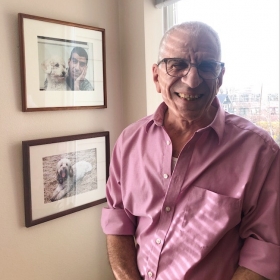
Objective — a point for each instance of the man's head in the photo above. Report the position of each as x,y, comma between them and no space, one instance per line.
77,62
189,83
192,27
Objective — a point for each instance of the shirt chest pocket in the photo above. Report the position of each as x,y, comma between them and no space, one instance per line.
208,216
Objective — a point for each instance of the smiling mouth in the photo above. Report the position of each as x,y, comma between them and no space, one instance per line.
188,96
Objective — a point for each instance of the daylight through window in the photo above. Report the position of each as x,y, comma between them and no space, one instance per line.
249,33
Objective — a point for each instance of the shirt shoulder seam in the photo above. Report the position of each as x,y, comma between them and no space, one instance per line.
274,147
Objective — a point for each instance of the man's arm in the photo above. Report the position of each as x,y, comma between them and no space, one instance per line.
243,273
122,257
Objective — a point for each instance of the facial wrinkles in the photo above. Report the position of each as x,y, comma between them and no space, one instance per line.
186,89
206,48
175,44
182,44
175,47
204,113
174,87
195,49
198,47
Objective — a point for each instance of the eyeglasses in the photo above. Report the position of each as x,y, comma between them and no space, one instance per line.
179,67
76,61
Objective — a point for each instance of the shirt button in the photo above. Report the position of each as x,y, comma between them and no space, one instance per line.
165,176
167,208
168,142
150,274
158,241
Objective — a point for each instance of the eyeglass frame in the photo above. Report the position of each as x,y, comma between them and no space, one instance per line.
222,64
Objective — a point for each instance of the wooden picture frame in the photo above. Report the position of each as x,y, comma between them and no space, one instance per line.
63,175
63,65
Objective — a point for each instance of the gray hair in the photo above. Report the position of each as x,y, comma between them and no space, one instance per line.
194,28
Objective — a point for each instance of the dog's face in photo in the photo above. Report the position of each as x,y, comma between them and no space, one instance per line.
64,170
55,68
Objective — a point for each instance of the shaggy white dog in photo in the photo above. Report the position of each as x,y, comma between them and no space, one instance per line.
56,70
68,175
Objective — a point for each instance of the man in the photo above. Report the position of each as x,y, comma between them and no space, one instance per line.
77,70
75,78
193,191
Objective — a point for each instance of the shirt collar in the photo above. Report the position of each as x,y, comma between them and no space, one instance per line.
218,124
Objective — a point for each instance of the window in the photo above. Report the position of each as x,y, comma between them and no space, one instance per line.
244,97
249,34
255,111
273,97
256,97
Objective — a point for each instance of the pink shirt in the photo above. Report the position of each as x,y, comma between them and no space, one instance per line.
217,209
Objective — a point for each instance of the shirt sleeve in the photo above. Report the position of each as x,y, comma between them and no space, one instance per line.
86,85
260,224
115,219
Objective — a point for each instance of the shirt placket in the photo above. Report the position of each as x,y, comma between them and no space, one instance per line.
172,183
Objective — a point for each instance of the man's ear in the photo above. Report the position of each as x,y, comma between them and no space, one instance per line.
155,77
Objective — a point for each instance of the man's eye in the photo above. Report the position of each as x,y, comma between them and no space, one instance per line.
178,65
207,66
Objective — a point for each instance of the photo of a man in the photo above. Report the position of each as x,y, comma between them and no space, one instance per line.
77,70
65,66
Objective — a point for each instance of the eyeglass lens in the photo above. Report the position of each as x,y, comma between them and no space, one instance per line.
181,67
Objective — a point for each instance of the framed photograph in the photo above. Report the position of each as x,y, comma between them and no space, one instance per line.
62,65
63,175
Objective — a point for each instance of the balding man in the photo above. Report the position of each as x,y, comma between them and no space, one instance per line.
193,191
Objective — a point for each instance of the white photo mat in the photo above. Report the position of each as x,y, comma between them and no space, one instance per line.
35,99
35,186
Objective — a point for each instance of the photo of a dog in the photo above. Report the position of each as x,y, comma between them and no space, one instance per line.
56,71
69,174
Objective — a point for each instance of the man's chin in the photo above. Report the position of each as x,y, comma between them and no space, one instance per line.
74,77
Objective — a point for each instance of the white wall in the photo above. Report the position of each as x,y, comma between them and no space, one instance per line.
70,247
153,22
140,34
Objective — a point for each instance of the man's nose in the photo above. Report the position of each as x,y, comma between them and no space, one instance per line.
77,65
192,79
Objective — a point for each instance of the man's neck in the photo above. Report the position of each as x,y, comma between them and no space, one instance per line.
183,125
70,82
181,130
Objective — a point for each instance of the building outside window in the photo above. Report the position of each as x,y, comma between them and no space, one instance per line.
249,33
273,97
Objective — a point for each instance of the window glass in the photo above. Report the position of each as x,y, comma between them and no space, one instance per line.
249,33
